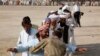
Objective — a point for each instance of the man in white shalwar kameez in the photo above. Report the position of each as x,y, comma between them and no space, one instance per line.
26,39
77,14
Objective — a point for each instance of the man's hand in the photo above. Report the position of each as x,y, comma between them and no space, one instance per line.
12,50
81,49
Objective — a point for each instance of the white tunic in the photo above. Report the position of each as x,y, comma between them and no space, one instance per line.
76,8
26,41
71,45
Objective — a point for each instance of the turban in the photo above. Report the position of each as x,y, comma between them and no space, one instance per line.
47,20
53,17
65,15
62,16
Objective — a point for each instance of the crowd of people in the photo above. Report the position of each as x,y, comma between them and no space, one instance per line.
55,36
27,2
49,2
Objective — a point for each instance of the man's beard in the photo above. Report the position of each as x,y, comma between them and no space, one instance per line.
28,31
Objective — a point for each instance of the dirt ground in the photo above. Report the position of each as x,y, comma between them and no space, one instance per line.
10,26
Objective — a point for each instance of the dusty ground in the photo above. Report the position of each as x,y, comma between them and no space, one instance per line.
10,26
